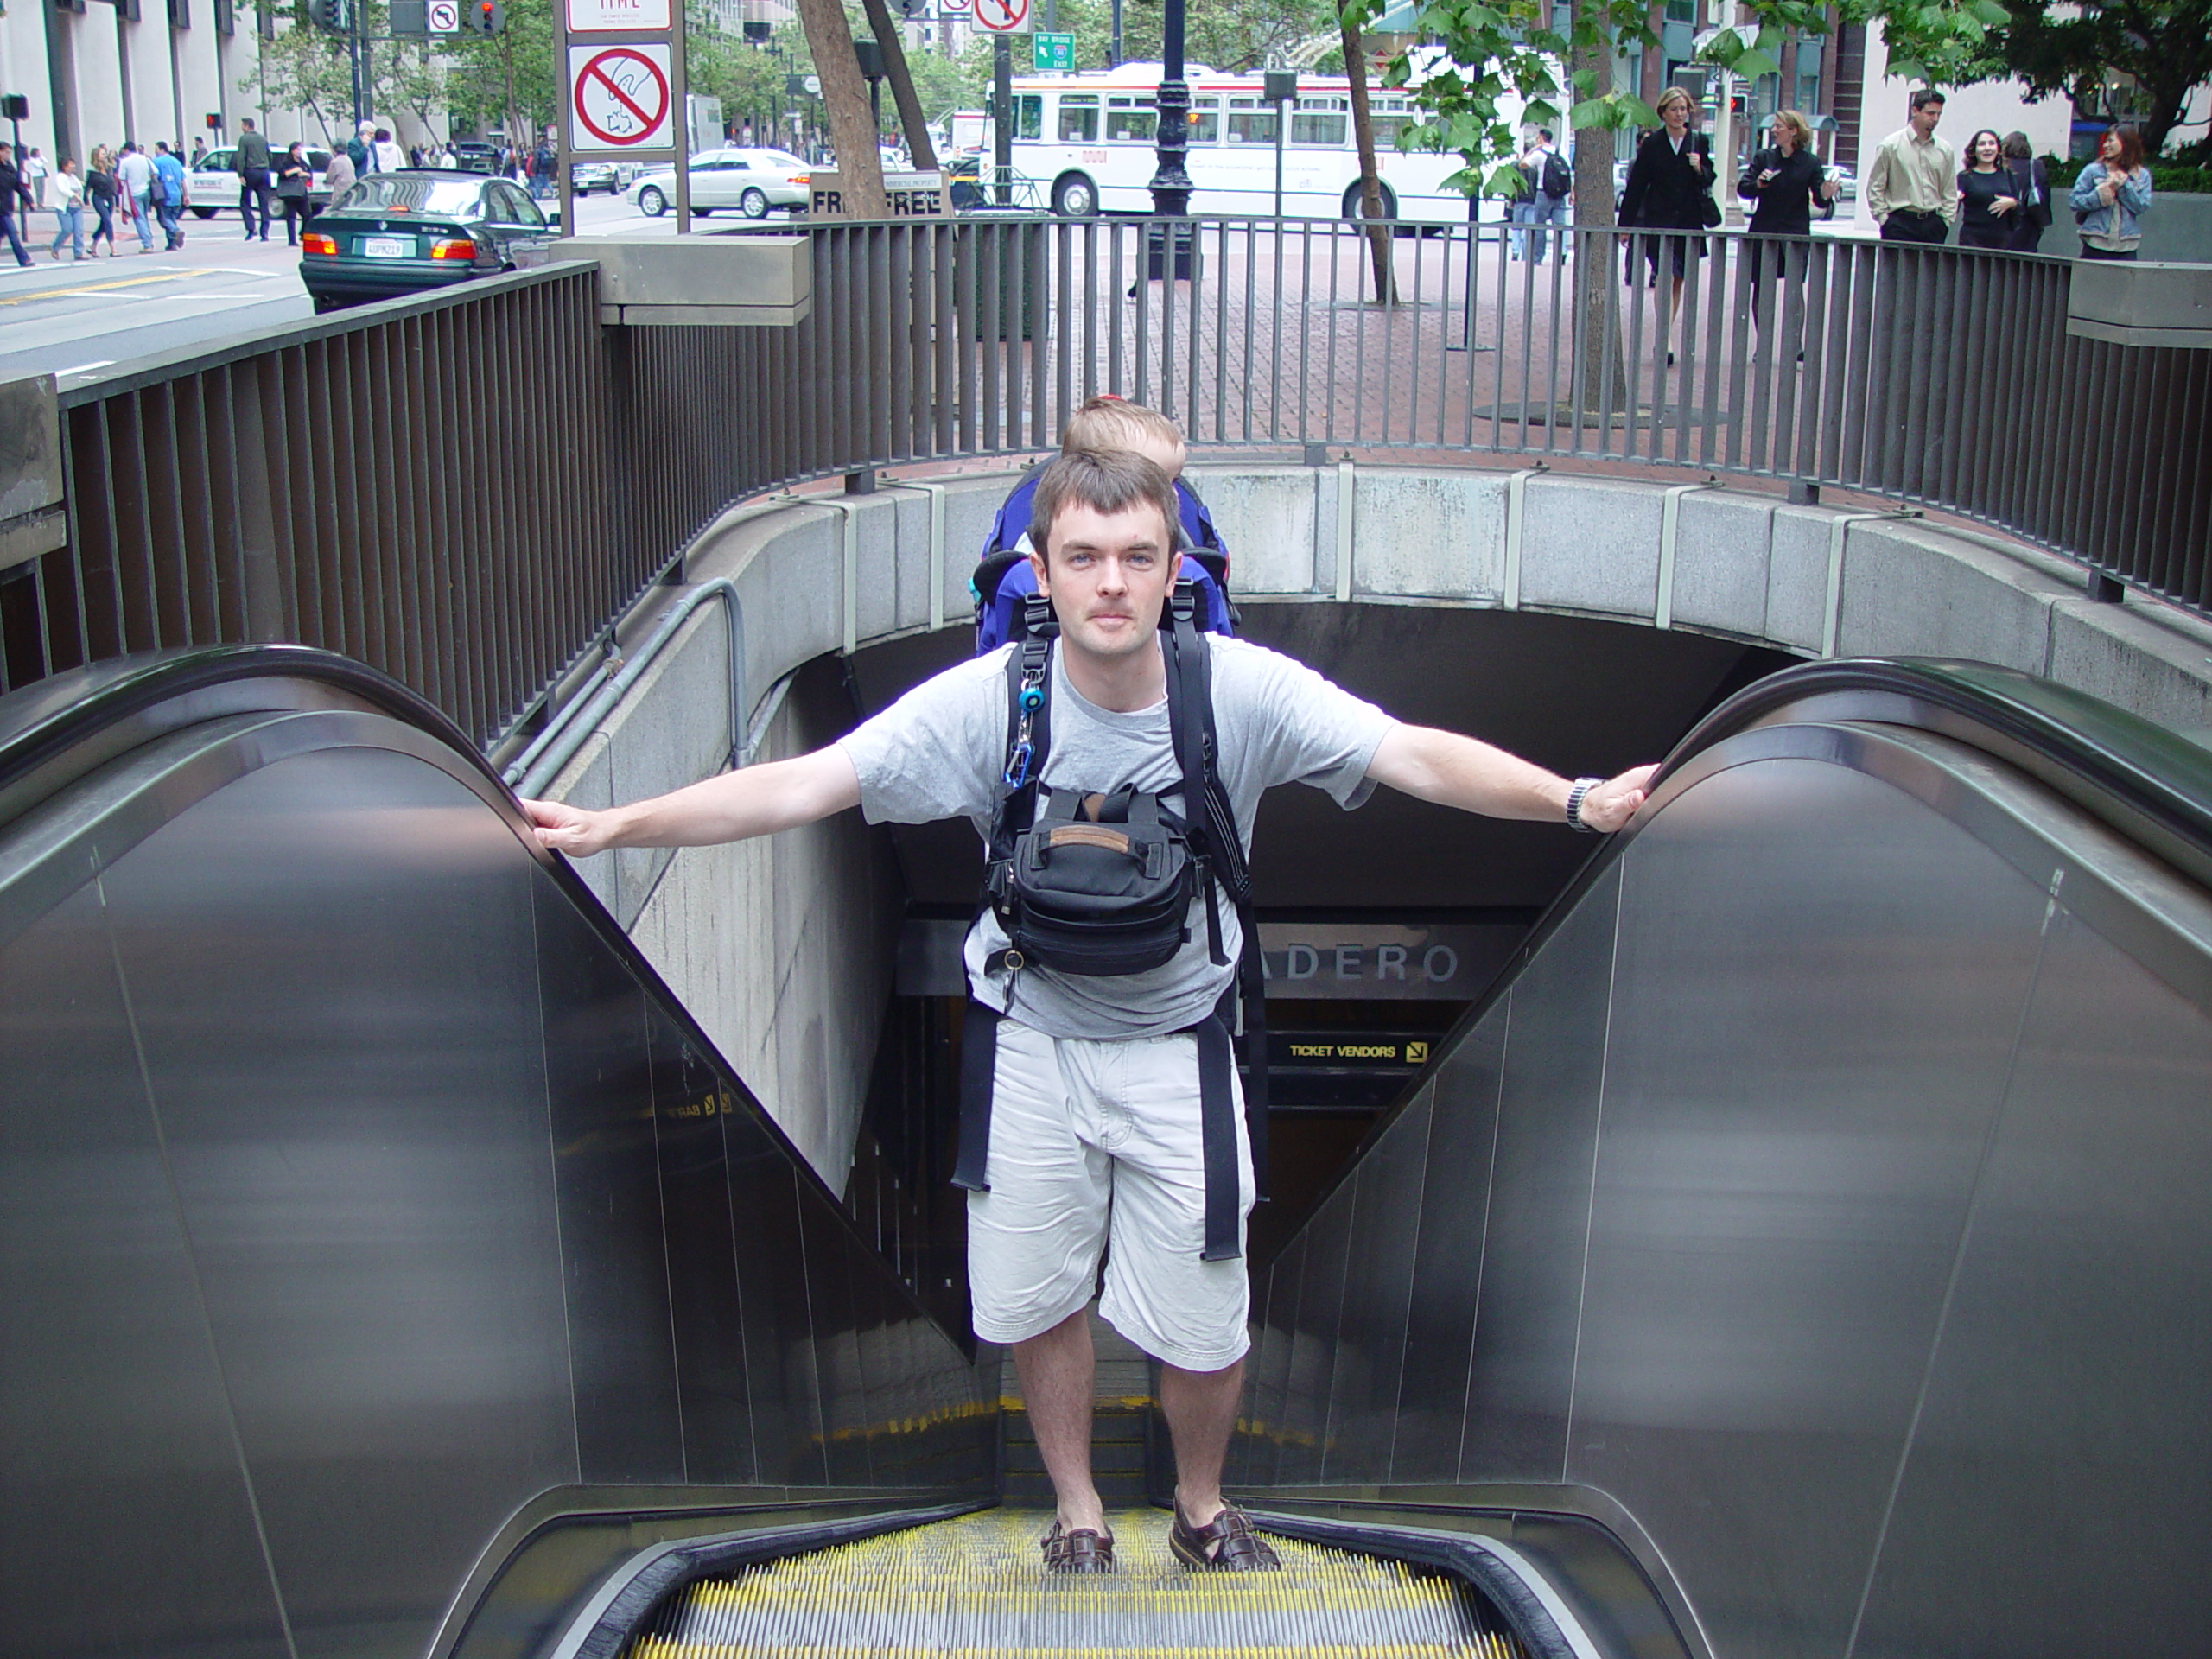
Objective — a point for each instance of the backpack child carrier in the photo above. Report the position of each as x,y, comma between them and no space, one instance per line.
1003,579
1103,885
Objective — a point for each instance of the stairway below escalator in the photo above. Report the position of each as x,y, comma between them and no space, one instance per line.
973,1586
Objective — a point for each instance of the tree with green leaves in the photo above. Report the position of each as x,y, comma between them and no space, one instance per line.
2165,46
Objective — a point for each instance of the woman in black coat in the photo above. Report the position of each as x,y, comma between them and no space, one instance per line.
295,177
2032,184
1987,204
1670,187
1782,184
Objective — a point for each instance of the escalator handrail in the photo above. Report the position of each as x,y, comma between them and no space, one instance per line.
2132,775
2137,769
48,716
44,720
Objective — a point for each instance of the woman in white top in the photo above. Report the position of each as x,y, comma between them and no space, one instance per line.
69,210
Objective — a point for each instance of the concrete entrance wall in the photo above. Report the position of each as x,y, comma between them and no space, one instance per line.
781,950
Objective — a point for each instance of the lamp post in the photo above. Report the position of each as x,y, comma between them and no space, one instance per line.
1171,181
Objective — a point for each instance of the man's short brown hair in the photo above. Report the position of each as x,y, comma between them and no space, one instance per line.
1105,481
1109,422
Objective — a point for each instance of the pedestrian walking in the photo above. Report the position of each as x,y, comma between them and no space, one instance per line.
361,149
35,174
1670,186
389,159
14,199
134,173
2032,184
338,177
1549,183
169,194
1912,189
252,163
1782,184
199,148
69,211
2111,195
102,192
295,174
1987,204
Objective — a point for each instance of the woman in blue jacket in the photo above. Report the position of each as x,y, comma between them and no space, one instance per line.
2112,195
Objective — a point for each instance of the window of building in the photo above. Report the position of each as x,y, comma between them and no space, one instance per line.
1078,118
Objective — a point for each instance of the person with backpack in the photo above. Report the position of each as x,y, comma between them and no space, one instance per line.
1552,184
1114,756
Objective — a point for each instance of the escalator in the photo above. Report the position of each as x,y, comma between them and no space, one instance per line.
1800,1248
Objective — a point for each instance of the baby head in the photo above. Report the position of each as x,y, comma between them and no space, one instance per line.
1107,423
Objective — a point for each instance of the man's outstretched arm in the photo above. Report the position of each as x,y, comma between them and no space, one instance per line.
734,807
1476,777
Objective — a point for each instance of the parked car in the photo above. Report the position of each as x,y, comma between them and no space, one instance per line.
754,181
404,232
473,156
211,184
584,177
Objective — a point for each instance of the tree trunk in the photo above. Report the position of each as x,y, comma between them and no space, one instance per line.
844,93
1601,383
1370,174
888,40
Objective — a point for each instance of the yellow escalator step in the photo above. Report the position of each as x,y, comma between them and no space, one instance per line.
975,1586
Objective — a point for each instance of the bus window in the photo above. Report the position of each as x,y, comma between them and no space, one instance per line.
1078,118
1129,120
1386,129
1205,120
1029,116
1320,121
1251,122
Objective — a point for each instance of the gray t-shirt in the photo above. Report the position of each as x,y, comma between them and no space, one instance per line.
939,752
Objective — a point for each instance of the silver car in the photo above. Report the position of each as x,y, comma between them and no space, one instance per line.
211,183
753,182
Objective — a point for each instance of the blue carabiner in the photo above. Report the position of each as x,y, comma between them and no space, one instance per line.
1017,769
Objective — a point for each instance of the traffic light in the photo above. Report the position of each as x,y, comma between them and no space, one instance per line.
489,17
331,15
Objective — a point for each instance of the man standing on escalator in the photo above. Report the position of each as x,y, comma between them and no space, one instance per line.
1093,1102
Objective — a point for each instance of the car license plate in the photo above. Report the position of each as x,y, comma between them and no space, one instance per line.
388,247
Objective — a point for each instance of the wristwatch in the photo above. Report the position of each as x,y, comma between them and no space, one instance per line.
1574,798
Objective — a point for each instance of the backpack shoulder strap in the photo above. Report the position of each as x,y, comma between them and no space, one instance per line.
1213,832
1028,740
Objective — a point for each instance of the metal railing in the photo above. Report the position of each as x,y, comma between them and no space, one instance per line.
465,492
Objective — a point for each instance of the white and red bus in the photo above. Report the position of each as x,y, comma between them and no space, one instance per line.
1087,140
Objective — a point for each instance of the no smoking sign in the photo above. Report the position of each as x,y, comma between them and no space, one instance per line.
619,96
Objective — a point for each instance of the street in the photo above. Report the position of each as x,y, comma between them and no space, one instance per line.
90,314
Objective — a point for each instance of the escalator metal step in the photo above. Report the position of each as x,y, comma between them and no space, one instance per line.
975,1586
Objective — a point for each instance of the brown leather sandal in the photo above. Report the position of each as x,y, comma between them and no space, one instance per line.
1226,1543
1080,1551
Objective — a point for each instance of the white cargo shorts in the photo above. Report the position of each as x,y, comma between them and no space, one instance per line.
1095,1146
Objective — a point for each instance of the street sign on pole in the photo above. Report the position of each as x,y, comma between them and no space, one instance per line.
1053,55
1004,16
445,16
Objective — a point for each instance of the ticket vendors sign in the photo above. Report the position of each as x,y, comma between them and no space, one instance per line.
911,195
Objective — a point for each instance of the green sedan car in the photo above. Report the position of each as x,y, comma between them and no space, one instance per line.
403,232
